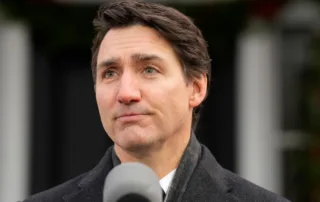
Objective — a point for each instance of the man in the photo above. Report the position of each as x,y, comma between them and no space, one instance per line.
151,70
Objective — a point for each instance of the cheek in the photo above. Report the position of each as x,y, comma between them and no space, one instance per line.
170,100
100,98
179,101
104,101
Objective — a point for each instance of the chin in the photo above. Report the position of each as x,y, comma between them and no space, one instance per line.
136,146
135,140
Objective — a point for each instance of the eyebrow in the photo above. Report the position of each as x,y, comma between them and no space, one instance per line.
137,57
142,57
108,62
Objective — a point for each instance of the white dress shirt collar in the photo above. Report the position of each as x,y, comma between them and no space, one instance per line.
165,182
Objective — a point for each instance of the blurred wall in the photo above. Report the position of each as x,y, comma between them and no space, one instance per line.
15,123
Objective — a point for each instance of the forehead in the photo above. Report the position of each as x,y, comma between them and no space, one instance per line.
136,39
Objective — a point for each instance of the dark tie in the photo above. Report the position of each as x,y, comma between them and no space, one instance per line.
163,195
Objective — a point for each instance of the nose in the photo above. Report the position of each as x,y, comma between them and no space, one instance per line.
129,91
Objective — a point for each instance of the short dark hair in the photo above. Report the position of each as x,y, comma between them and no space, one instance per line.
179,30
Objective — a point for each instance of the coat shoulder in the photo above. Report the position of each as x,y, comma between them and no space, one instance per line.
248,191
56,194
233,184
91,179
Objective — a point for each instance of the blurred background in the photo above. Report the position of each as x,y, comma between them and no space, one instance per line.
261,119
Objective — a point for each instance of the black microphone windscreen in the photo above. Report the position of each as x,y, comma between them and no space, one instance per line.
133,197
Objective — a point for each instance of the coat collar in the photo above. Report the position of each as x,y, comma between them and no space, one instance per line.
198,178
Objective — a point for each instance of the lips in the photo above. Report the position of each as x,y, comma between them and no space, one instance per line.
130,118
132,113
128,115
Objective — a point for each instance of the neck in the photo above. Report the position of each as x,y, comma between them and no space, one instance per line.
162,160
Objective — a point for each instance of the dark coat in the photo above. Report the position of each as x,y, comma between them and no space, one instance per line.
199,178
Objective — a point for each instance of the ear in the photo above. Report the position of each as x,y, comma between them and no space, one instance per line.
198,90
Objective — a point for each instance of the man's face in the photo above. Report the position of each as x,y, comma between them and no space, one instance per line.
142,95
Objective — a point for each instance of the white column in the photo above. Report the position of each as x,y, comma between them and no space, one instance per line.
14,111
258,132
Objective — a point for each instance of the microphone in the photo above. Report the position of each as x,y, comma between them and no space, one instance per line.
132,182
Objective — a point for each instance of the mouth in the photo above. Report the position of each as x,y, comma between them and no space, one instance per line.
130,117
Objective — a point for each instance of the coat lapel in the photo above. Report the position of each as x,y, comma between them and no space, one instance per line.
209,182
199,177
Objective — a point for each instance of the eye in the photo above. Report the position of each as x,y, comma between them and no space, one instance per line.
109,73
150,70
